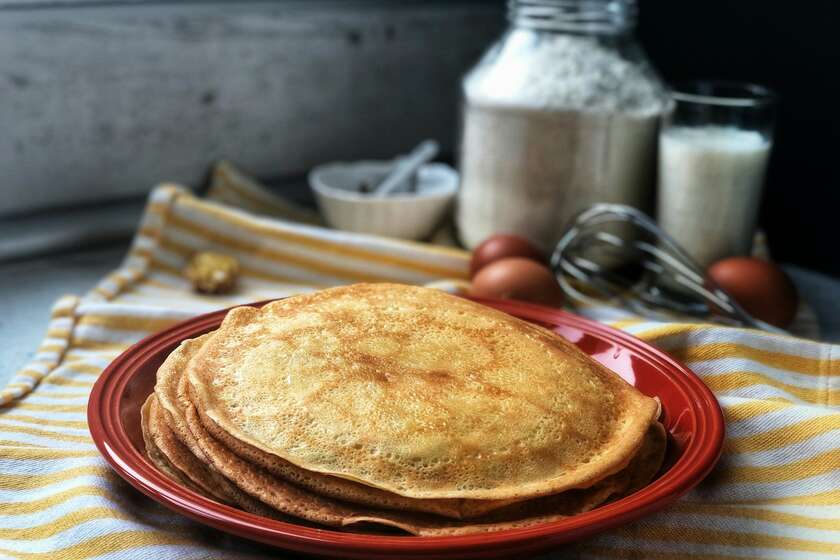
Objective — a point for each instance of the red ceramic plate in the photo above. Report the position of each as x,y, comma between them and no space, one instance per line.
690,413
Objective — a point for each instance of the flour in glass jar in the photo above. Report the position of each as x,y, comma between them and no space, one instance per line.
551,125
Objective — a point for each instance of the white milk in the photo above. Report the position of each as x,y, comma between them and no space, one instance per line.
710,181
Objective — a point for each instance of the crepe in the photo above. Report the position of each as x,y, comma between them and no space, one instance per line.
416,393
170,390
166,390
178,463
336,342
154,454
309,506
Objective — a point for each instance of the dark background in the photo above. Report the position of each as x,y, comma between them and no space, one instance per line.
794,48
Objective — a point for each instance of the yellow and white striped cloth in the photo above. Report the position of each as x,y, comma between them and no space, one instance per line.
776,493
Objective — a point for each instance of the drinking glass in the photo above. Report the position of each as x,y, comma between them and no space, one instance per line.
714,146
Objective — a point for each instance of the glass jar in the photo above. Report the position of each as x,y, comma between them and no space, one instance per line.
562,112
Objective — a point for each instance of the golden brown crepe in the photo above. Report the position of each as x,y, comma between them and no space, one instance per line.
166,389
401,407
154,454
417,393
312,507
183,466
171,392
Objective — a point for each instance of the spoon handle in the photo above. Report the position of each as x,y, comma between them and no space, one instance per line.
406,167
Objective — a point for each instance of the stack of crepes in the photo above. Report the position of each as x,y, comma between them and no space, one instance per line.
398,407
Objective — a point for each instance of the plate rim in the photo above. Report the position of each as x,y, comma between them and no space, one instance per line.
695,463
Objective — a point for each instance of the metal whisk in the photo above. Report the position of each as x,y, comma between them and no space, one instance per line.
617,253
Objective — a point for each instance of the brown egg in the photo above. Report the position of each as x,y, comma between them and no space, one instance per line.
762,288
501,246
518,278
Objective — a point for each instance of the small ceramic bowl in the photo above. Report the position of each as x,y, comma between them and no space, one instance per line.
404,215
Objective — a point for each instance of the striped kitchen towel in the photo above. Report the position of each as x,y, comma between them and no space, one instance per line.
775,494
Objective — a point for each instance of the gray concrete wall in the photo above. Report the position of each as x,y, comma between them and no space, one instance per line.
101,101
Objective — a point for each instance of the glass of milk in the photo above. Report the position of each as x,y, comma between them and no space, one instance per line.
713,150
